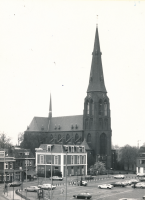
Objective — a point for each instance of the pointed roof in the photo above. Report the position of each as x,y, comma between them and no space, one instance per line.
96,82
84,143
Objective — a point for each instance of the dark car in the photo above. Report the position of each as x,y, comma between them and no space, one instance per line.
83,195
119,184
15,184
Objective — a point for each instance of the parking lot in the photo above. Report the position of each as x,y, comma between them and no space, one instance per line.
92,188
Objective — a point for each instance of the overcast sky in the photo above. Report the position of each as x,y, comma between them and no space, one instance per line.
46,46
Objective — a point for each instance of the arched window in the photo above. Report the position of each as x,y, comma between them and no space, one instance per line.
76,137
106,123
89,137
88,108
103,144
100,124
92,108
100,107
67,137
105,108
59,137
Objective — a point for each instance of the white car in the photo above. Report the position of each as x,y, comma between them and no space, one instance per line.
140,174
105,186
32,189
119,176
139,185
132,181
47,186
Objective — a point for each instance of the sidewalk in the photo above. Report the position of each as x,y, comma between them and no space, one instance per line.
9,196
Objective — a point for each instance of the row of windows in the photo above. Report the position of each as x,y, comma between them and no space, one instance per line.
103,142
102,107
67,138
141,161
103,124
8,165
28,163
80,160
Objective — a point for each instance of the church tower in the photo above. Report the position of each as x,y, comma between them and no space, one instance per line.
96,118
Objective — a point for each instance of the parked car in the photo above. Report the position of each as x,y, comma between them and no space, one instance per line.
47,186
83,195
32,189
139,185
127,199
120,184
119,176
81,183
140,174
105,186
132,181
56,178
14,184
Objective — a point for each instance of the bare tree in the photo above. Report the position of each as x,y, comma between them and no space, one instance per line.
5,141
20,138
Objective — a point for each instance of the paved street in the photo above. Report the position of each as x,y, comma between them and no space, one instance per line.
101,194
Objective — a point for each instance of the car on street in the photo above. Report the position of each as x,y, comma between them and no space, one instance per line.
56,178
139,185
79,183
47,186
105,186
131,181
82,183
140,174
127,199
119,184
119,176
15,184
32,189
83,195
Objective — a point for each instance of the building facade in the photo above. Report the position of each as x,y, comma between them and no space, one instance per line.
94,126
56,157
140,163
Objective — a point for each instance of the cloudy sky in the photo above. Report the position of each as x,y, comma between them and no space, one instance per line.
46,46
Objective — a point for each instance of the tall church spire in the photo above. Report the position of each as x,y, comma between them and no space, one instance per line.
96,82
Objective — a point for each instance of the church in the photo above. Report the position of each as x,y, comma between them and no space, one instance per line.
92,129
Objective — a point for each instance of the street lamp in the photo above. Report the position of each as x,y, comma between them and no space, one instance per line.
66,149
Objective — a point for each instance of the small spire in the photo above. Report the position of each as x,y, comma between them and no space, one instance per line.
50,108
97,21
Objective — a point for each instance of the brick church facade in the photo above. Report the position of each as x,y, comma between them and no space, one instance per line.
92,129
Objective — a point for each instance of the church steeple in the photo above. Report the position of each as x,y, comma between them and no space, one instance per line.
96,82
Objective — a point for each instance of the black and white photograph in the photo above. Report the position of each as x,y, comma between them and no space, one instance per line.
71,99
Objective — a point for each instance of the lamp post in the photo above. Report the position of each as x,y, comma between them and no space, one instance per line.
51,175
66,149
4,169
